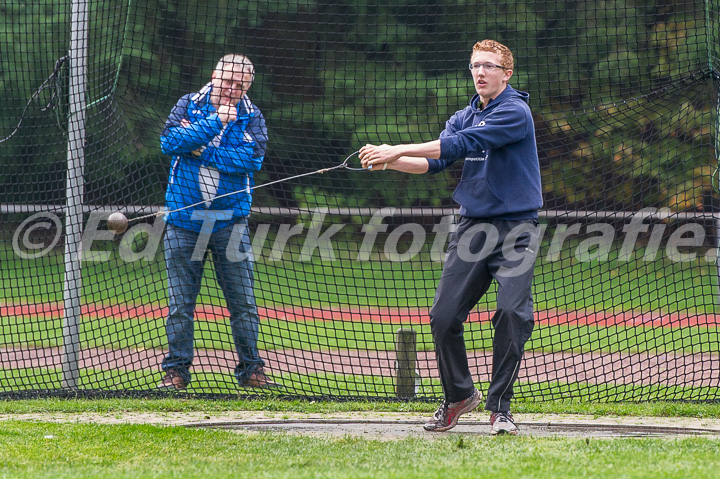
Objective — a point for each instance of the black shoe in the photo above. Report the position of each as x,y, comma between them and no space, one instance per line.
447,415
172,381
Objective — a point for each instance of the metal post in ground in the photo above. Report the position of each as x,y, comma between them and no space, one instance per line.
74,192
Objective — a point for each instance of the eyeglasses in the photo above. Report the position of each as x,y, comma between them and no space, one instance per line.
487,66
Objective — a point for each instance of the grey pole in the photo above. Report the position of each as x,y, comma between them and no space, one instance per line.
74,192
406,357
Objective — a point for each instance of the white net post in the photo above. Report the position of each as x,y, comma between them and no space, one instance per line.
75,187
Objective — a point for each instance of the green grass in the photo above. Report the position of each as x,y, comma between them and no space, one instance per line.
139,451
311,335
318,385
565,284
70,450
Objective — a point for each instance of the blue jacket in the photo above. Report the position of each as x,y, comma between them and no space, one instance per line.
210,159
501,174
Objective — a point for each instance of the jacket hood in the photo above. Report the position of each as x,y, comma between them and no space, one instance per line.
508,92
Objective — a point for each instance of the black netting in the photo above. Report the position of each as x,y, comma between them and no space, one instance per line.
624,98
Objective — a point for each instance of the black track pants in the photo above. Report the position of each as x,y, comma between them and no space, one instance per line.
482,250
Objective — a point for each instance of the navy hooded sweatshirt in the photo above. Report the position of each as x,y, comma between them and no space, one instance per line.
501,174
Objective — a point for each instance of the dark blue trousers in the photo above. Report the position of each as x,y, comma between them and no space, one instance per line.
480,251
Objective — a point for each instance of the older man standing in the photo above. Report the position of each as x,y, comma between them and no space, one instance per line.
217,139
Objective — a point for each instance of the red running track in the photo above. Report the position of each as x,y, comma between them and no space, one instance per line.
362,314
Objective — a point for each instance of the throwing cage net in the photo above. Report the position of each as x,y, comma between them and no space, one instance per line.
624,97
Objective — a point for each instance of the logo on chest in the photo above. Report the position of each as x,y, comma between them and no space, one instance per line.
482,157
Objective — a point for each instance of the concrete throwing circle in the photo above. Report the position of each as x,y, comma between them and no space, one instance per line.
389,430
394,425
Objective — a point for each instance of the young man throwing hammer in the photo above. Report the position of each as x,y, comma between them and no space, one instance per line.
499,196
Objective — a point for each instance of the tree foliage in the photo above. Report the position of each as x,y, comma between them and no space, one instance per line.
622,92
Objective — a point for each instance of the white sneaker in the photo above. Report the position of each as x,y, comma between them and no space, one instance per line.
502,423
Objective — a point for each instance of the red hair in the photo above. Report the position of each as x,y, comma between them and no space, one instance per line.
497,48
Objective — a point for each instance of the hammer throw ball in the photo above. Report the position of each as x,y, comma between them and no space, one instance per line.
117,223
